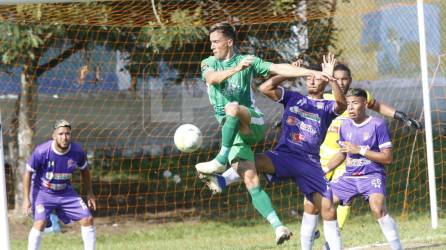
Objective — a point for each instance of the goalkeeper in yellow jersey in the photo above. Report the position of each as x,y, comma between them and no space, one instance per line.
330,146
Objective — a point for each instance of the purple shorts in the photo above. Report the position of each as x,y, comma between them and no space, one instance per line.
347,187
306,173
67,204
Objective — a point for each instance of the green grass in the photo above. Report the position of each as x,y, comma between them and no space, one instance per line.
359,231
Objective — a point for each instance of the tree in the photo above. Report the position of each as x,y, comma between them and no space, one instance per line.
27,45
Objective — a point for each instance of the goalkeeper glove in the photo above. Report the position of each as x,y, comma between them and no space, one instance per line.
401,116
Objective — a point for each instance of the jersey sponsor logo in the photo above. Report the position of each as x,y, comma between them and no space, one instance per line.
305,114
291,120
357,162
308,128
71,163
376,183
40,208
296,137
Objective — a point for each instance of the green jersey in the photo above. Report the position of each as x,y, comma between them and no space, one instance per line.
236,88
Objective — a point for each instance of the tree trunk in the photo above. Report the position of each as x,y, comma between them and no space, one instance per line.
26,119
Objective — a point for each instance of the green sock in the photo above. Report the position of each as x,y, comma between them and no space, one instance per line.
228,132
262,203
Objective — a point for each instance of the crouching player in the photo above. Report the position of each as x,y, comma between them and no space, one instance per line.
366,147
51,166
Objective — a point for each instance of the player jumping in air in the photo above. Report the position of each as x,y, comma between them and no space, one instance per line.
228,77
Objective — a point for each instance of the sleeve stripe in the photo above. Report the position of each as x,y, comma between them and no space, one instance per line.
84,166
29,168
385,145
283,93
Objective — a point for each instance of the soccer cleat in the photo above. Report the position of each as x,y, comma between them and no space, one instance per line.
210,167
282,234
216,183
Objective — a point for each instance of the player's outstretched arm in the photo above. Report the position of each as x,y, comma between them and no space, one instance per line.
390,112
270,87
216,77
86,179
26,206
289,70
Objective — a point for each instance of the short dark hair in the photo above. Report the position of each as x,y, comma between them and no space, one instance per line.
356,92
226,28
343,67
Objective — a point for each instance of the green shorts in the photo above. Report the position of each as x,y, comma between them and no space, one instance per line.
241,149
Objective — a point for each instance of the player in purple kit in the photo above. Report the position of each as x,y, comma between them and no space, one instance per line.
366,147
50,167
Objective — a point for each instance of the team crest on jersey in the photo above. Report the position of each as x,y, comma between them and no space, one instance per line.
320,105
296,137
71,163
365,136
291,120
49,175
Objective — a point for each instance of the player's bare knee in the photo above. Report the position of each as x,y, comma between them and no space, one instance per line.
88,221
232,109
378,212
39,225
310,208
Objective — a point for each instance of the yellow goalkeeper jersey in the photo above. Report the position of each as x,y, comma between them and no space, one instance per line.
330,145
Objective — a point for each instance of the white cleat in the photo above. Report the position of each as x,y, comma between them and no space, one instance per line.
214,182
210,167
282,234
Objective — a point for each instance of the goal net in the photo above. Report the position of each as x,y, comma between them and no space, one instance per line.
127,74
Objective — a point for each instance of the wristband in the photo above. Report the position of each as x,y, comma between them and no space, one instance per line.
363,150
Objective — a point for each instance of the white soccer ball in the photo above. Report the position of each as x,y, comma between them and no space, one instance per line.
188,138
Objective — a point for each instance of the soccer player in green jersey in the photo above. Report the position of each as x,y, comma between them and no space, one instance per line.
228,77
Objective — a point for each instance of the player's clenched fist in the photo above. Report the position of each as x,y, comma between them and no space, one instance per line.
245,63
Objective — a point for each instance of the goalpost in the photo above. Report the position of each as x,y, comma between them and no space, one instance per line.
4,230
427,116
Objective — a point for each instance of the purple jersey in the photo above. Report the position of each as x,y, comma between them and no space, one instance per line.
52,170
372,133
305,122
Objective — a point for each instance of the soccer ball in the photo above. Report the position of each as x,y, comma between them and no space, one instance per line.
188,138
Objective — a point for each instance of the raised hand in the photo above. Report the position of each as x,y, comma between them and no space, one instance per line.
329,62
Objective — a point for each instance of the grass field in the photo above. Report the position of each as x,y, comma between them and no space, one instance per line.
361,232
